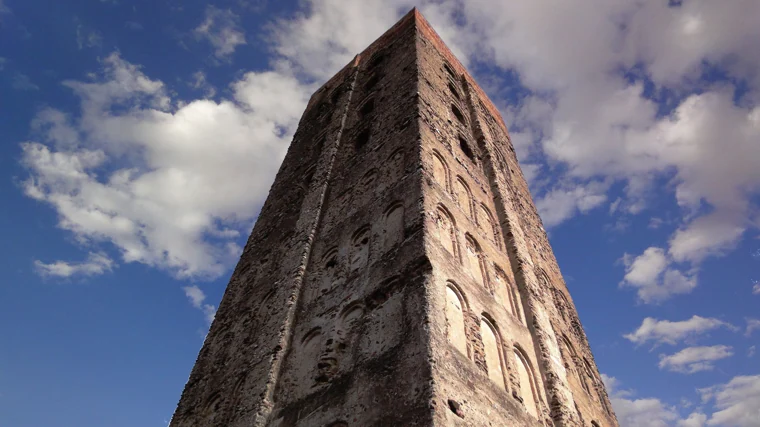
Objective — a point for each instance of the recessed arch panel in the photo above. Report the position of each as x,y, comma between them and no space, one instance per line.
528,387
455,309
492,349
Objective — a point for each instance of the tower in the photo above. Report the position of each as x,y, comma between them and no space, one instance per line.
398,273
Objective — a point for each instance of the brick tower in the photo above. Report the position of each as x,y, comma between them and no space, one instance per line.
398,273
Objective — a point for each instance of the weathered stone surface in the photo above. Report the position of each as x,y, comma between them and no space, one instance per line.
398,273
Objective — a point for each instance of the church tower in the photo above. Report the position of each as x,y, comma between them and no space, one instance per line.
398,274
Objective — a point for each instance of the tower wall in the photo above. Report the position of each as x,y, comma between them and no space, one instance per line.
358,355
398,273
542,325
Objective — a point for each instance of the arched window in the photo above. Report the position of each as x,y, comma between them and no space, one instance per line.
360,248
465,147
449,71
440,171
454,91
455,309
330,276
560,300
376,59
350,315
463,195
590,375
445,230
367,108
339,346
488,225
507,294
362,139
372,82
474,259
528,388
212,411
501,161
393,229
364,192
395,166
571,363
492,349
458,114
336,94
307,355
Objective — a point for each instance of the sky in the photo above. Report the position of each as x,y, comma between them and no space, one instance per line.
139,139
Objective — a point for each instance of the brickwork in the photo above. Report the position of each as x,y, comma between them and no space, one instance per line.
398,273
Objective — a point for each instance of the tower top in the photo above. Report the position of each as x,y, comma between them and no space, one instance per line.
415,18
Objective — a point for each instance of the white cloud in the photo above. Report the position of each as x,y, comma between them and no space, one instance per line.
168,186
590,123
738,402
197,298
654,280
642,412
199,82
599,125
96,264
756,288
323,37
695,359
668,332
695,419
566,201
751,351
752,325
222,30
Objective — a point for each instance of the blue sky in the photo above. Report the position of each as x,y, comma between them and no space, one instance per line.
140,138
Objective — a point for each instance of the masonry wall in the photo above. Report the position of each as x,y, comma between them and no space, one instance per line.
358,355
553,378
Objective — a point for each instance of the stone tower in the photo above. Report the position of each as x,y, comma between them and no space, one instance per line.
398,273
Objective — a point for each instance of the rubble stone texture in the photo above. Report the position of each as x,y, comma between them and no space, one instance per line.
398,274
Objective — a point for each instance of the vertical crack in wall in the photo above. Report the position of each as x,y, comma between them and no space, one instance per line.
315,216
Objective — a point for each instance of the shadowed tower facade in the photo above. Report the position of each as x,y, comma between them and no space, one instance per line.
398,273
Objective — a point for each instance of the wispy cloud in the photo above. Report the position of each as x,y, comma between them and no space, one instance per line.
87,37
22,82
197,298
752,326
96,264
668,332
199,82
133,25
221,29
695,359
